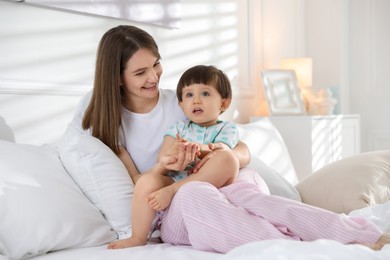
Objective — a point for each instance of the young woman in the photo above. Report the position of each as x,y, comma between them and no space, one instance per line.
129,113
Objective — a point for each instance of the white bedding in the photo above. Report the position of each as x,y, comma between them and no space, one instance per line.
269,249
43,210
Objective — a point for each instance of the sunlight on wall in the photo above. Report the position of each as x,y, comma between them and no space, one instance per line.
160,12
38,54
209,35
37,119
216,33
62,52
47,66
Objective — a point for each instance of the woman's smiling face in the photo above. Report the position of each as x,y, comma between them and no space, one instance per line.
141,76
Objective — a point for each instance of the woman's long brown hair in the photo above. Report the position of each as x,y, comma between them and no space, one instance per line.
103,114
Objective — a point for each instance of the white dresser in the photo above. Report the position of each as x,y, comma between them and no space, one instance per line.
315,141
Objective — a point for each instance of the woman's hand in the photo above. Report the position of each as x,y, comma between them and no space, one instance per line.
186,153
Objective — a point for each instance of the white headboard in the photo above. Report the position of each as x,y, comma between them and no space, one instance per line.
35,117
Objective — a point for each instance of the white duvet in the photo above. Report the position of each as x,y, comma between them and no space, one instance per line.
269,249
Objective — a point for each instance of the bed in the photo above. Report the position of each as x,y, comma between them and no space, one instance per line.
67,200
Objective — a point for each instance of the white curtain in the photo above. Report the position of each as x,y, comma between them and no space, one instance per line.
160,12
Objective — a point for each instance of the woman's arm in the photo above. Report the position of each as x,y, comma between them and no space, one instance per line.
170,146
126,159
242,153
163,159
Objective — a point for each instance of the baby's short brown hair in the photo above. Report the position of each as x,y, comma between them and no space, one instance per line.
207,75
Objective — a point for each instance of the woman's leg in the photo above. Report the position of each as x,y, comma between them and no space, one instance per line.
142,215
219,220
308,222
251,176
201,216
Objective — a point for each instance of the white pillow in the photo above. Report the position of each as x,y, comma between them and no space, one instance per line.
101,175
277,185
268,180
348,184
42,209
265,142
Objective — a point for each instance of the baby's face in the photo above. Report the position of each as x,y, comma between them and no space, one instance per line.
202,104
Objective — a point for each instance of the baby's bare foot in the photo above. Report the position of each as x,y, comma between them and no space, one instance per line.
128,242
160,200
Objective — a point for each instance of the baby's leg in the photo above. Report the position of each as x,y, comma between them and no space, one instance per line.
142,215
220,170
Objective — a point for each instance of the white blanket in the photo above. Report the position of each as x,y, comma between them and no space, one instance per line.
269,249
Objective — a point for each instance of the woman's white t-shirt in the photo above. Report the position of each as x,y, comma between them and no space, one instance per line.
141,134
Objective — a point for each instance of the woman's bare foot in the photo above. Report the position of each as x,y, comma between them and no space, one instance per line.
160,200
383,240
128,242
375,247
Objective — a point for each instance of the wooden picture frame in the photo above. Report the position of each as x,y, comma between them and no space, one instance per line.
282,93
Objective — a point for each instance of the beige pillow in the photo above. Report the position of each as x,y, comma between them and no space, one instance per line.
348,184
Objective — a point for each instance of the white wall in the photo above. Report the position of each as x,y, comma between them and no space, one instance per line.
276,32
47,60
348,40
47,57
370,69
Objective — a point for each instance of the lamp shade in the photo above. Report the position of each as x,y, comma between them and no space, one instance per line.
303,68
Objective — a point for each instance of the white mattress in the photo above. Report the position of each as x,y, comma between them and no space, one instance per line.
269,249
